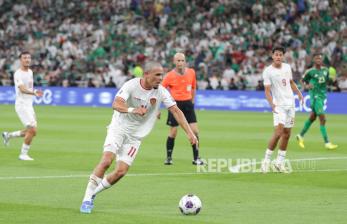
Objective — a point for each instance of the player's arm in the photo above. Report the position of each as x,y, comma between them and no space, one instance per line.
24,90
181,120
267,89
296,90
120,105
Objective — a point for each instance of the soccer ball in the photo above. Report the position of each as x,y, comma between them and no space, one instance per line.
190,204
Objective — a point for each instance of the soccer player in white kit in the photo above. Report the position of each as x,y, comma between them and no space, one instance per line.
136,106
279,88
24,87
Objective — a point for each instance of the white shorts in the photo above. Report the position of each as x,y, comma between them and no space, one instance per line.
123,145
26,115
285,116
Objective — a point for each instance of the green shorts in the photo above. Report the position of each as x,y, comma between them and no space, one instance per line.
317,106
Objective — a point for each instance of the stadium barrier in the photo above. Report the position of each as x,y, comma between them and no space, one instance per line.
205,99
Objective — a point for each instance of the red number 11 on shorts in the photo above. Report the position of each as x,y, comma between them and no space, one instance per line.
132,151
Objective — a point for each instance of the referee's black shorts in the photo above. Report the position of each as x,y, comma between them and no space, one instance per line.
187,107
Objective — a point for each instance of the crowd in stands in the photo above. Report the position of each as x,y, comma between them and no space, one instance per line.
103,43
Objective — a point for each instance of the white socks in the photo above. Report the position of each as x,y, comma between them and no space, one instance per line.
102,186
281,156
14,134
95,186
25,149
94,181
268,154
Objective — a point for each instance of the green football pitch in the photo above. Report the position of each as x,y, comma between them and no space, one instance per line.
69,144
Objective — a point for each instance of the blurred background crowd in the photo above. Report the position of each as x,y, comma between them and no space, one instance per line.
90,43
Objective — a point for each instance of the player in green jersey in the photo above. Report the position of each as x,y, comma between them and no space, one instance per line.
316,79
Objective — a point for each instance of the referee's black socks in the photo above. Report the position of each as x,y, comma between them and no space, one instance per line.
170,143
195,150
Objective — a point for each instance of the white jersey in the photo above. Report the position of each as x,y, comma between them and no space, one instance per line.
279,80
136,96
23,78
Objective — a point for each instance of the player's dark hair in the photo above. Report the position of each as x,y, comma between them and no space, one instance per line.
279,48
23,53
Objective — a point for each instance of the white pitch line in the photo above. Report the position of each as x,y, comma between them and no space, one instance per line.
86,176
153,174
181,174
322,170
291,160
42,177
319,158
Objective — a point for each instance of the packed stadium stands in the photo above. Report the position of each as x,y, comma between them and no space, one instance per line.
104,43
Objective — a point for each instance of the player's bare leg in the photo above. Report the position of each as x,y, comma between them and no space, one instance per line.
276,137
112,178
284,139
105,162
98,173
324,133
196,158
94,180
109,180
265,165
29,134
170,143
15,134
307,125
280,161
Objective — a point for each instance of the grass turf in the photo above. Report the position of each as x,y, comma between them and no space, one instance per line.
70,139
